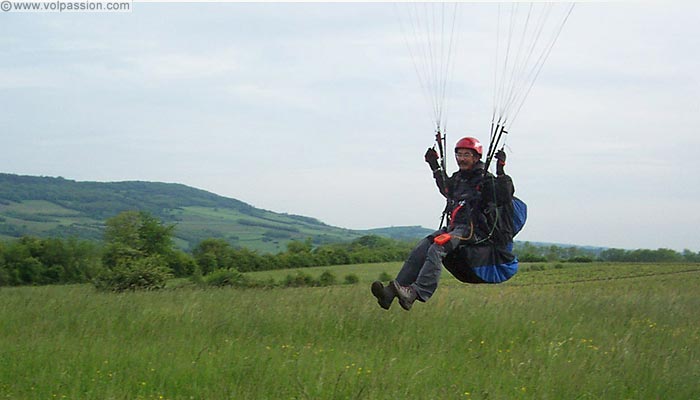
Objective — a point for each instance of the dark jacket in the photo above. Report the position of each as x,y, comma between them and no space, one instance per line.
485,203
479,199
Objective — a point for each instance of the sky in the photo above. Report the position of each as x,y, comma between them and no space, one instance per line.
315,109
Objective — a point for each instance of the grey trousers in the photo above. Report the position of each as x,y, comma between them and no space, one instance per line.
422,268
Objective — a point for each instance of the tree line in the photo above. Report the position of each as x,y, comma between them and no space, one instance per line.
137,250
528,252
137,246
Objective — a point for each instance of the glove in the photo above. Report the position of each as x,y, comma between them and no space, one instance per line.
501,157
431,157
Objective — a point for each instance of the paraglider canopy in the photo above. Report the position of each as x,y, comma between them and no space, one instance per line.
524,36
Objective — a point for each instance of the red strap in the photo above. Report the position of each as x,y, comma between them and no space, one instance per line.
454,214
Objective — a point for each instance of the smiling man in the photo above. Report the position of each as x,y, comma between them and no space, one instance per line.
476,237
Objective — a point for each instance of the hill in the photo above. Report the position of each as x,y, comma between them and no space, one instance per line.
58,207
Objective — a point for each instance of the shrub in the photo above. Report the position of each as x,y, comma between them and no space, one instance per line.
267,283
181,263
581,259
326,279
197,276
226,277
529,257
351,279
149,273
301,279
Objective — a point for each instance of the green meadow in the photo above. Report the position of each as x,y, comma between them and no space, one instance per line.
588,331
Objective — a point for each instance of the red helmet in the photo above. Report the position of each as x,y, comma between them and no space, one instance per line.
470,143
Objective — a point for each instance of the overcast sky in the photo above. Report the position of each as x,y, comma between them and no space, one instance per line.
315,109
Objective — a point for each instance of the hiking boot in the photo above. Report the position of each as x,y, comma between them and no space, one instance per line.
406,294
384,295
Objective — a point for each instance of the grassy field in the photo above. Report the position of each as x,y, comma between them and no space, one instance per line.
553,332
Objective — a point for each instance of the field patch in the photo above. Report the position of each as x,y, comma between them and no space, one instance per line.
558,333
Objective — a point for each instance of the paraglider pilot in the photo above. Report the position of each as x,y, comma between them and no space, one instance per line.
476,245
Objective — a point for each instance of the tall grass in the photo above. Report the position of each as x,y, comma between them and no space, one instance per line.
636,338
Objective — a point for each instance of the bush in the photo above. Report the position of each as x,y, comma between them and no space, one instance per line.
226,277
267,283
301,279
197,276
351,279
148,273
326,279
581,259
181,263
529,257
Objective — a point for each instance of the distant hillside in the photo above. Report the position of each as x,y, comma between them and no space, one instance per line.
58,207
401,232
